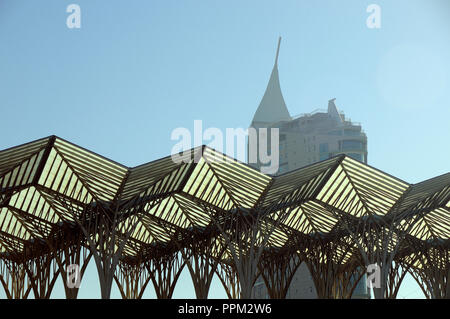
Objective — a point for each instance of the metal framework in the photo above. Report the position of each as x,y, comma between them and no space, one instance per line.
61,205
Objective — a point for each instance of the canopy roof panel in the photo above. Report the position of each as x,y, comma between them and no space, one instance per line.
174,197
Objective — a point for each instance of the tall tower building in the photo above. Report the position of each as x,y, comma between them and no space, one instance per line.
303,140
309,137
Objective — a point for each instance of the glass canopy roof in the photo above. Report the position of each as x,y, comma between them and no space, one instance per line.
179,197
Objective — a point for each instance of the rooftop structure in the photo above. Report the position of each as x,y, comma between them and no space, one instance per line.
61,203
309,137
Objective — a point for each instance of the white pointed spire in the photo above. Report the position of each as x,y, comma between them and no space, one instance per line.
278,51
272,107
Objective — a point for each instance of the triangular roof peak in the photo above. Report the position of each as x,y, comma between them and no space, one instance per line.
272,107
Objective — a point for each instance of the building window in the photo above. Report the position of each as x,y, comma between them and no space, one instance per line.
352,132
323,151
351,145
323,148
336,132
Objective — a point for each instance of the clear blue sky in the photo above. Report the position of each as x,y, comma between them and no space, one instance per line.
136,70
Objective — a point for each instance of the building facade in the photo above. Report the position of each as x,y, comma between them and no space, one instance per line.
303,140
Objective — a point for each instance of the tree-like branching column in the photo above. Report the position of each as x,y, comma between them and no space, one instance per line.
202,253
132,278
66,242
228,277
42,271
429,202
329,262
107,228
165,270
432,271
247,233
378,241
347,279
62,240
364,202
13,277
72,253
277,267
397,273
245,247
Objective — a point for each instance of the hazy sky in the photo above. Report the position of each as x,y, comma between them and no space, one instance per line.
136,70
